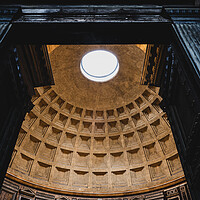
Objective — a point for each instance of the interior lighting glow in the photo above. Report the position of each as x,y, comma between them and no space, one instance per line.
99,65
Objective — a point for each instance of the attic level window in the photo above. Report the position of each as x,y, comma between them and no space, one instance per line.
99,65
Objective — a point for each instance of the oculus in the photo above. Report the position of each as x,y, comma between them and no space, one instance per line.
99,65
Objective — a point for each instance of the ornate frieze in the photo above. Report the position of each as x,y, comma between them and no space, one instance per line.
12,189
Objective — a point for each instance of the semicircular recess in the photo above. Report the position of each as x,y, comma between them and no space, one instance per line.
90,138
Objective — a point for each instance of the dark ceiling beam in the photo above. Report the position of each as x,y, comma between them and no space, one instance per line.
90,25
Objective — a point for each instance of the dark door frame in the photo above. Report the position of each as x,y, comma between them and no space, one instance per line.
174,27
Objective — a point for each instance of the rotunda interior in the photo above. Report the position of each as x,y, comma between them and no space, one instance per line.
93,138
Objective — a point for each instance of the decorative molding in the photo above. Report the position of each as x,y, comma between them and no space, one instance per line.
7,14
153,65
180,14
178,190
108,13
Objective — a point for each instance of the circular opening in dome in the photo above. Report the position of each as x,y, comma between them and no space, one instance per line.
99,65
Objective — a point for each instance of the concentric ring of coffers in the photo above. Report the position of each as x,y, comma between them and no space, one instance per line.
75,149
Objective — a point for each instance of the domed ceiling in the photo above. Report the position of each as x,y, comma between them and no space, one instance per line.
85,137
